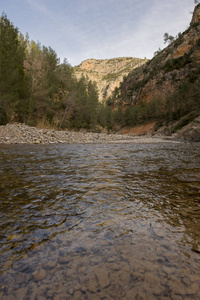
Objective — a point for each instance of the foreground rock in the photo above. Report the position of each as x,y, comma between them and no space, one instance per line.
189,132
184,129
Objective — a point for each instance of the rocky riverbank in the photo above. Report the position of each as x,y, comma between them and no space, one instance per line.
23,134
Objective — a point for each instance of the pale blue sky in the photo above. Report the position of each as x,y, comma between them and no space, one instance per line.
81,29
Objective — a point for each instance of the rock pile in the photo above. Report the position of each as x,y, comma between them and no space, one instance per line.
23,134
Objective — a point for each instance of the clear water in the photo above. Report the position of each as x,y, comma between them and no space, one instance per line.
117,221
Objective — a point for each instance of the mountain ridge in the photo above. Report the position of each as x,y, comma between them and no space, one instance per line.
107,73
178,60
167,88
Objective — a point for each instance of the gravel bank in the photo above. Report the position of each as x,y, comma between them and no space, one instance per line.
23,134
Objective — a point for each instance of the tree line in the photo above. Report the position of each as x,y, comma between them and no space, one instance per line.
35,88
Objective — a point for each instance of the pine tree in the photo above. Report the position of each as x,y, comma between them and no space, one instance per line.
13,83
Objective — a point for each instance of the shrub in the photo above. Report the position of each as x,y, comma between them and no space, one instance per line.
3,116
177,63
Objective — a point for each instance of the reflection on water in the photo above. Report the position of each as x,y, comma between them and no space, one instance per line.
100,221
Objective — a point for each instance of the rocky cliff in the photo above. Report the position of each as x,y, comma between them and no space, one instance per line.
172,78
107,73
167,70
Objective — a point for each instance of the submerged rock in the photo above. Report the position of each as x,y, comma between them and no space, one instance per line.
102,276
39,275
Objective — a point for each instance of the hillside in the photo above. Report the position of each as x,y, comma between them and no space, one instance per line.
161,95
107,73
167,88
38,90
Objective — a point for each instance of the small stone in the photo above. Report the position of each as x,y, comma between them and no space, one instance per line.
21,279
50,265
83,289
21,293
131,294
196,248
78,287
103,276
151,278
113,266
82,269
159,232
168,270
92,283
13,237
177,287
39,275
192,289
110,259
70,273
63,261
77,295
125,277
58,297
71,291
186,280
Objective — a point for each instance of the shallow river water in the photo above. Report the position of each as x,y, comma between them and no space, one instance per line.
115,221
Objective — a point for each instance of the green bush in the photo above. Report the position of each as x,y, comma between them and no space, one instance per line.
177,63
3,116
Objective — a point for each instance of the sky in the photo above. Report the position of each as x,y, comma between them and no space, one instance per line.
100,29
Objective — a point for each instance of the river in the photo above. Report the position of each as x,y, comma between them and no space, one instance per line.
100,221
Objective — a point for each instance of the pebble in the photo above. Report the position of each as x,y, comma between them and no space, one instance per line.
92,284
77,295
159,232
50,265
58,297
71,291
39,275
21,293
102,276
182,289
13,237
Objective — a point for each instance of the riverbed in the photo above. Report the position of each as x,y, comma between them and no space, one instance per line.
100,221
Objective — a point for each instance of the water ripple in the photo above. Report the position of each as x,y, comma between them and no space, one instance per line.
114,204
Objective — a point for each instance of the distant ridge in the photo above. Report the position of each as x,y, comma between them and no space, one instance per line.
107,73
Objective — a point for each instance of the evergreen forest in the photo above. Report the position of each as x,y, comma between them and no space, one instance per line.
36,89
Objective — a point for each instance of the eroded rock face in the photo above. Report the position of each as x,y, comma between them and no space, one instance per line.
166,71
191,132
182,49
107,73
196,15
